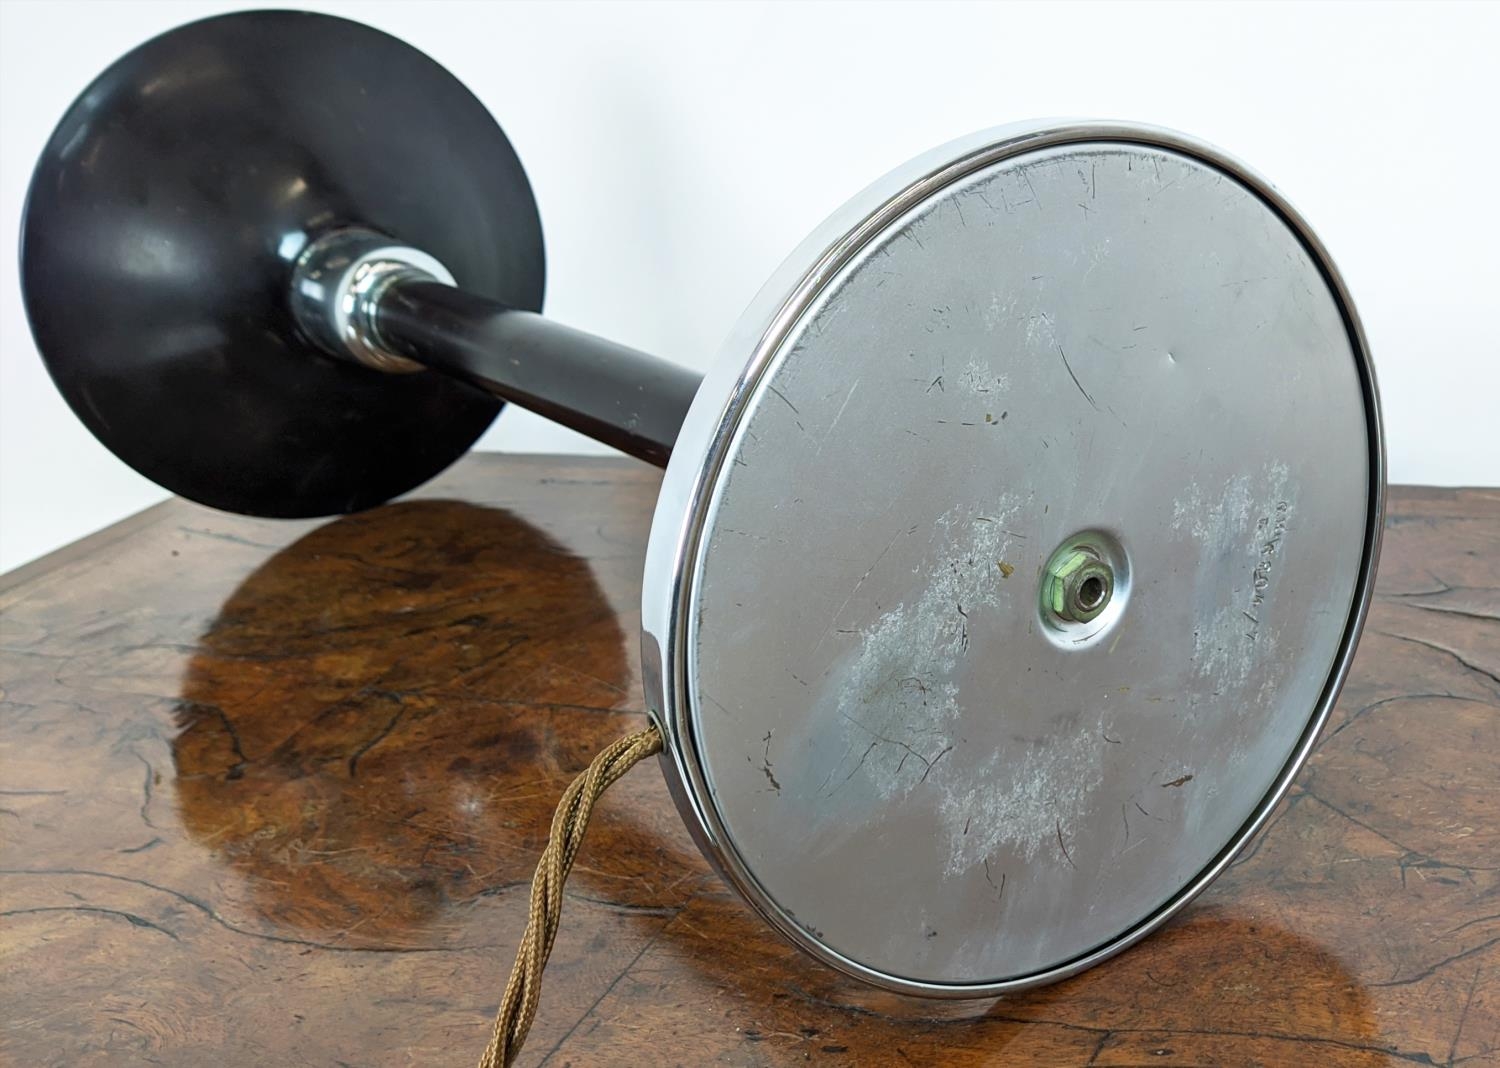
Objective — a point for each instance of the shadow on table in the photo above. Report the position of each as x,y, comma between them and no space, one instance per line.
379,720
1219,985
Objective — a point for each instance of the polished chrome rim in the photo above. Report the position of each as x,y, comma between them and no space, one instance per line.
687,493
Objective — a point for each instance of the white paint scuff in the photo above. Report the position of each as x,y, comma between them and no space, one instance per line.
1232,532
898,698
1024,799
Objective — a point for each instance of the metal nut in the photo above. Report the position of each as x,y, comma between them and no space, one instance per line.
1077,585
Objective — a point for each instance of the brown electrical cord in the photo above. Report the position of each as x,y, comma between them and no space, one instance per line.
518,1004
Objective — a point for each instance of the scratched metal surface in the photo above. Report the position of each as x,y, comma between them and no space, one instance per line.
907,761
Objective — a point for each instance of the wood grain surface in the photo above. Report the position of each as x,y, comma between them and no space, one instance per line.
271,793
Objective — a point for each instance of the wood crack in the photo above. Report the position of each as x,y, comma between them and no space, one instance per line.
212,914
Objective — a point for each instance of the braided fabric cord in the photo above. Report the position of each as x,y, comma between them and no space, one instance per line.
518,1005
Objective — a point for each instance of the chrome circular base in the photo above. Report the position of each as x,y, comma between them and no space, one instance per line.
161,229
893,724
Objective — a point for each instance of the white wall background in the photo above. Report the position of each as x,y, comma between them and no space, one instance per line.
680,150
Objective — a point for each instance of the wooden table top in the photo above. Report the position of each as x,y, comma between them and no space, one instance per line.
272,793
